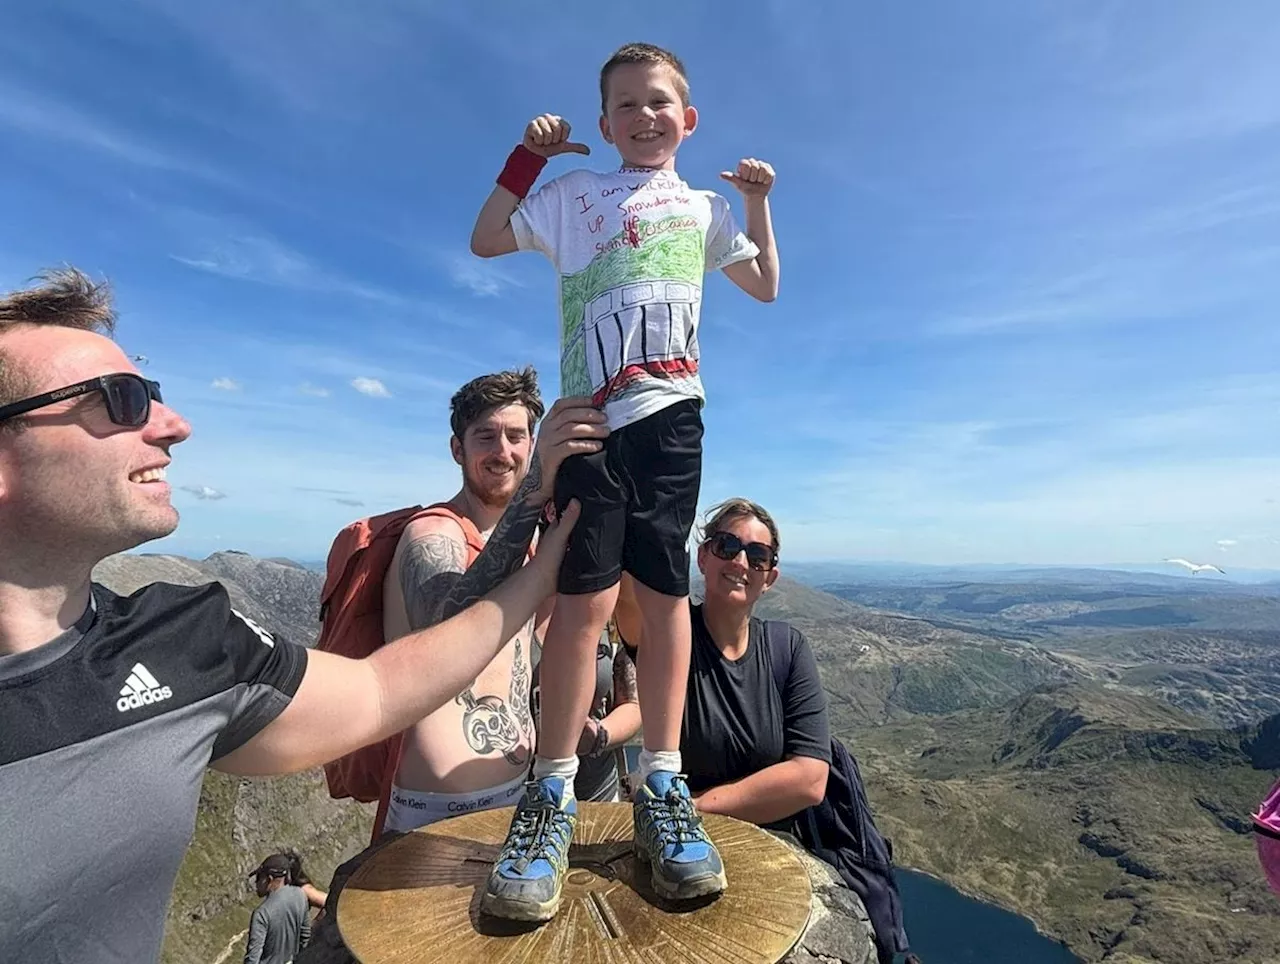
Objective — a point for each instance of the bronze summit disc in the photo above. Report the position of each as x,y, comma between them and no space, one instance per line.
418,899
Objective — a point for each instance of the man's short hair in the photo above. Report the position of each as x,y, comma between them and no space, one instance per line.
482,395
65,297
643,54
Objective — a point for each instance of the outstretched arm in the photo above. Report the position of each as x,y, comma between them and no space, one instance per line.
343,704
545,136
433,572
758,276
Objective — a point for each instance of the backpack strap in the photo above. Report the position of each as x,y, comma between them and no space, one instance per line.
443,510
475,541
777,635
384,798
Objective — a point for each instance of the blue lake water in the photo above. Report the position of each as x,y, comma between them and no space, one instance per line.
946,927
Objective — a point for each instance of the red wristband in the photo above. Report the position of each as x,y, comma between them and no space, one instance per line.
521,170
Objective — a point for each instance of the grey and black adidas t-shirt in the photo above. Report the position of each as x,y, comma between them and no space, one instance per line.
105,734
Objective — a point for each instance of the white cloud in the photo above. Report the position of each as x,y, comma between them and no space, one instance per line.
483,279
286,52
371,387
39,115
226,384
1148,481
263,260
204,493
315,391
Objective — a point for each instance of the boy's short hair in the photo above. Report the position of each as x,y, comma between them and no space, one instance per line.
482,395
643,54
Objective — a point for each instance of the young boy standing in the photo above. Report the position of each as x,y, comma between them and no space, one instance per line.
631,247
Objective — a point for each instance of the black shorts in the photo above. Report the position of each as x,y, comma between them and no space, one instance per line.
639,496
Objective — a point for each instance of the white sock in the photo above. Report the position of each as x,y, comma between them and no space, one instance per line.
566,769
651,760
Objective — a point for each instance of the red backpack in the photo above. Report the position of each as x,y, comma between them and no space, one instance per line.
351,625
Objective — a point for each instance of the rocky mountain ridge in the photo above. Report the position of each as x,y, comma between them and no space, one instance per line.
1117,822
1067,791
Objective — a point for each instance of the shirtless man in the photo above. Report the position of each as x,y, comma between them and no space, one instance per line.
474,752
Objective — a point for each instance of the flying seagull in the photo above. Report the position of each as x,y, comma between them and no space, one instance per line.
1195,567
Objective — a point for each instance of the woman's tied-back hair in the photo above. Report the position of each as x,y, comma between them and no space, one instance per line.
643,54
719,516
65,297
481,395
297,876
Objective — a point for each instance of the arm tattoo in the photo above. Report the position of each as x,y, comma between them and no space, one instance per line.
506,550
429,568
625,689
435,578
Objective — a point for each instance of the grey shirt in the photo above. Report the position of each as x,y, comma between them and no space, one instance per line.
105,734
279,928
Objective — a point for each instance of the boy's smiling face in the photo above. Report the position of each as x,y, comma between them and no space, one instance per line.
645,116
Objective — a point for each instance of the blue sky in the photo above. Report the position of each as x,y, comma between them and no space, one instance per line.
1030,250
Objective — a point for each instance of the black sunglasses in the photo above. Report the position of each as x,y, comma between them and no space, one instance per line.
725,545
128,397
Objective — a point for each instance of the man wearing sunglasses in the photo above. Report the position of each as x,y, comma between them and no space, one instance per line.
111,707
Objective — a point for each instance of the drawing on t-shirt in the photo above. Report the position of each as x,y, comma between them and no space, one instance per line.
632,313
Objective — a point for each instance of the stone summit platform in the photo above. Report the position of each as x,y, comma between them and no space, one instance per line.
417,899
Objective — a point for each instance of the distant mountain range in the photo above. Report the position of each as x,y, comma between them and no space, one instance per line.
281,596
1214,652
887,573
1083,749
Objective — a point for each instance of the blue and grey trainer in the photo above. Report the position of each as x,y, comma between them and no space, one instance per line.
669,836
526,881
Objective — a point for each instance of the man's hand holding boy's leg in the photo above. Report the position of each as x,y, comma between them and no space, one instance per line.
573,426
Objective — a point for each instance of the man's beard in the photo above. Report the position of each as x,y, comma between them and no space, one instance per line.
491,492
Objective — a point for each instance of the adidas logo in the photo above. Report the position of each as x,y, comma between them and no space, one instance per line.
141,689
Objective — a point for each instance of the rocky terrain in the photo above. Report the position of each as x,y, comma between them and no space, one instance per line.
1117,822
1098,781
1209,646
281,596
1096,778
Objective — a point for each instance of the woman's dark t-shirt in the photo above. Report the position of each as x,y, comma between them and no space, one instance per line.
735,723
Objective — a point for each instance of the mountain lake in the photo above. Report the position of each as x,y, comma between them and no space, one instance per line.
946,927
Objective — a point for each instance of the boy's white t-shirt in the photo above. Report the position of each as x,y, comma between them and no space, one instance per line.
631,247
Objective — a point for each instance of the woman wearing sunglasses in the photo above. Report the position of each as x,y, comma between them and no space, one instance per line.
750,751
